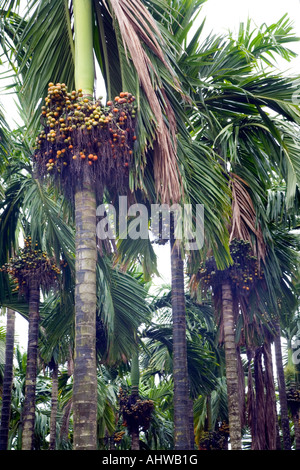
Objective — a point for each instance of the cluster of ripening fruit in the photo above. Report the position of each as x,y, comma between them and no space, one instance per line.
118,436
293,394
243,273
241,278
68,117
30,261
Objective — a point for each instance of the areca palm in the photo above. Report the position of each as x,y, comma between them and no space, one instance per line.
233,101
155,171
164,154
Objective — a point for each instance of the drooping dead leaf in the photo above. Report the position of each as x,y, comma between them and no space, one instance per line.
243,223
138,27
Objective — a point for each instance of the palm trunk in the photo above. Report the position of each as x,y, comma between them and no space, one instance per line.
85,371
242,394
135,379
258,436
31,370
285,426
296,420
54,401
251,407
135,439
270,410
7,379
180,368
232,376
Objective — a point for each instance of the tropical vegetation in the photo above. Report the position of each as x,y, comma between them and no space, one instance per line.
116,359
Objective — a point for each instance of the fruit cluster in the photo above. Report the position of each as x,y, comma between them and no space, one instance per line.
243,273
212,441
118,436
293,395
81,135
136,412
31,263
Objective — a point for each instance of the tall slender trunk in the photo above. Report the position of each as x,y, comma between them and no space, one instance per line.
285,426
54,402
7,379
258,436
180,367
251,405
135,379
85,370
296,420
242,394
28,418
270,402
232,377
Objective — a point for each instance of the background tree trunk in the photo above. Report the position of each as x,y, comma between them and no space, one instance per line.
285,426
232,377
8,378
135,379
53,416
259,437
28,419
270,401
85,371
180,368
296,420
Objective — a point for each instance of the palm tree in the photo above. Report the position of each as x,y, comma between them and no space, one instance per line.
224,119
82,64
31,270
180,368
164,166
283,218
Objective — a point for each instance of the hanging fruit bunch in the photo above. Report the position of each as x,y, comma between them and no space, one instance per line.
31,264
293,397
118,436
84,140
243,273
136,412
215,440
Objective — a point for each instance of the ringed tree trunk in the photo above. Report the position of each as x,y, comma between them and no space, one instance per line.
28,419
285,426
54,401
180,366
232,376
85,370
7,379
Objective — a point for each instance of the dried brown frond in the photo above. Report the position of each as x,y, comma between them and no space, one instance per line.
244,222
137,27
